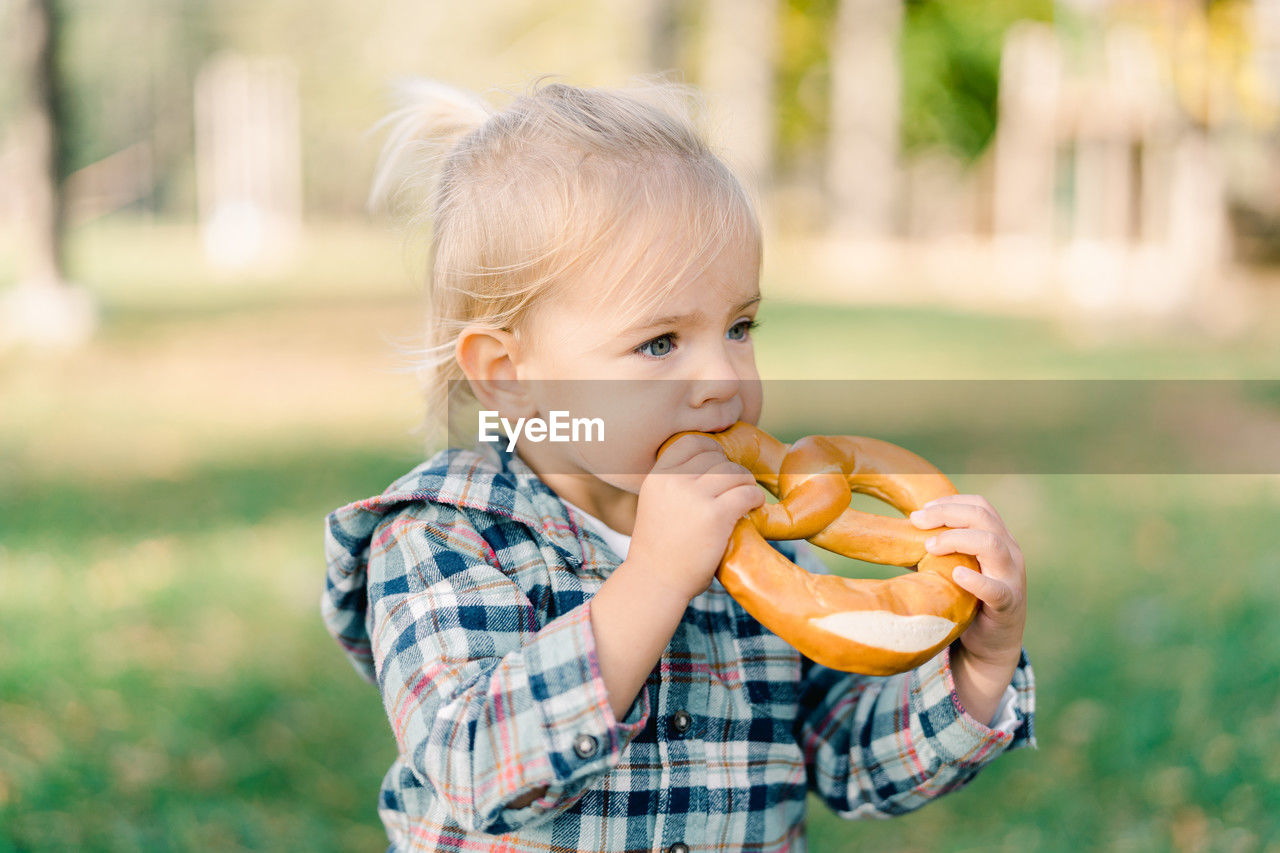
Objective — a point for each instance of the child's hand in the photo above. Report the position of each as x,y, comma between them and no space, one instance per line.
995,637
685,514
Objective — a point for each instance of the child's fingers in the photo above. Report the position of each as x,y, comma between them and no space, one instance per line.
743,498
1016,553
992,553
685,449
967,511
978,500
727,467
728,481
994,594
950,511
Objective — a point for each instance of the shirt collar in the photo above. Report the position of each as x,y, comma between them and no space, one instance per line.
494,480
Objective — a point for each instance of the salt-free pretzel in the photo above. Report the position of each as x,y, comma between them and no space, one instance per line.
874,627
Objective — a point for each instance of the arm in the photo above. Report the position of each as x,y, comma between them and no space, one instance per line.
980,685
988,652
885,746
685,511
632,619
505,717
683,519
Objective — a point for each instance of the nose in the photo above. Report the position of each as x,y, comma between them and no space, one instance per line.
718,378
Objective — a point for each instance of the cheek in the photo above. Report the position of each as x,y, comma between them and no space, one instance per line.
752,400
635,425
632,443
620,456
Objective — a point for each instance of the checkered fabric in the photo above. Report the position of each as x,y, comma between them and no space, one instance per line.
464,592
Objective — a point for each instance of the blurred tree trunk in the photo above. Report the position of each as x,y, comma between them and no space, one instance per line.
661,27
39,128
741,48
43,308
866,89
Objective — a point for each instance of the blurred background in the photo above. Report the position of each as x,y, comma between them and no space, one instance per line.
203,350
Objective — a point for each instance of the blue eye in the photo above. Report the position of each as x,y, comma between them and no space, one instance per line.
746,326
662,345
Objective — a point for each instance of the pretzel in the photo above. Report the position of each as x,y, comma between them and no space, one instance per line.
873,627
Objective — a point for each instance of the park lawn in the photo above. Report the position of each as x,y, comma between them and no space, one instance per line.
166,683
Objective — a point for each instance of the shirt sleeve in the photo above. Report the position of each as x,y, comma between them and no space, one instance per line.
884,746
1005,718
486,700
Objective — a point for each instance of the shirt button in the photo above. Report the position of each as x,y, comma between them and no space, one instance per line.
681,721
585,746
678,847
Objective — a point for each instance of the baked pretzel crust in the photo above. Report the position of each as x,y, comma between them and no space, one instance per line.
873,627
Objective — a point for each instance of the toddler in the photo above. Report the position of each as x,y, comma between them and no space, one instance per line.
560,668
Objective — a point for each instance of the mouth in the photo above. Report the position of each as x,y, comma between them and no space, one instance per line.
718,429
721,428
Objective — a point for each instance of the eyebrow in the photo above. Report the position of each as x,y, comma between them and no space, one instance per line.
676,319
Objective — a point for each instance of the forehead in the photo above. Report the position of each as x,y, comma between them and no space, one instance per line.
658,241
710,286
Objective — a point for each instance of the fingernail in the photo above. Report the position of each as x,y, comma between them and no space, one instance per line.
915,515
963,571
931,541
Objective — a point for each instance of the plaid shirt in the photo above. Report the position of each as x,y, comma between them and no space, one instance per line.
464,592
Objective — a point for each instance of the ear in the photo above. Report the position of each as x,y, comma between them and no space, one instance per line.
489,358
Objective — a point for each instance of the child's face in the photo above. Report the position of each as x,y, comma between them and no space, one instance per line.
687,363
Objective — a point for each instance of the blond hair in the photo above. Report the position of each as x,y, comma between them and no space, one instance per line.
564,185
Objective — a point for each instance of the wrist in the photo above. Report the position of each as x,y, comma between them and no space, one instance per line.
633,620
961,655
980,683
986,674
659,580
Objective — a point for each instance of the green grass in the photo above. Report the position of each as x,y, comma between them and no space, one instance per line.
165,681
1151,634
